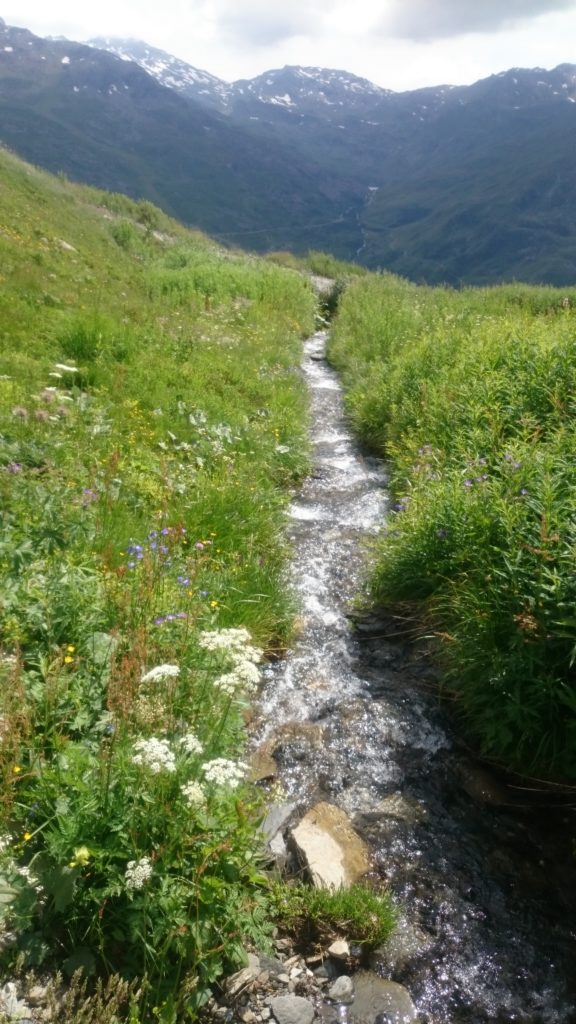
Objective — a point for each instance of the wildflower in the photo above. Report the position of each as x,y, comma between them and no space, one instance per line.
247,653
70,648
159,673
14,467
17,769
228,683
149,710
191,744
224,772
223,639
138,872
193,794
81,857
27,837
68,659
5,842
19,412
247,672
41,415
154,754
213,604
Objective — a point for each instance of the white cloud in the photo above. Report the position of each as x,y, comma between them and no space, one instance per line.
437,19
261,23
243,38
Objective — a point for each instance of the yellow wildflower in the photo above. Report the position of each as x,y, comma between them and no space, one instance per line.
27,836
81,857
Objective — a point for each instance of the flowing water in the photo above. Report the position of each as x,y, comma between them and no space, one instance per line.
351,716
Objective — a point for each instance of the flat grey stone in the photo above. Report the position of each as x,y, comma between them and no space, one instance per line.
276,818
378,1001
342,990
292,1010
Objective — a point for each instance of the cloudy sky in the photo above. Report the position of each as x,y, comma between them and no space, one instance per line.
399,44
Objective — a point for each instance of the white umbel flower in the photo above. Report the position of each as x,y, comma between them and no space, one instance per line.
138,872
225,773
191,744
193,794
155,755
160,672
224,639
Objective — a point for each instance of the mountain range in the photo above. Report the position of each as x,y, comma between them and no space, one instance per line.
467,184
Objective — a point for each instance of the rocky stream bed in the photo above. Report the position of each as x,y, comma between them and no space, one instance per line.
479,867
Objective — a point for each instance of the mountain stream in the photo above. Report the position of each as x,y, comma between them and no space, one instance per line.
351,714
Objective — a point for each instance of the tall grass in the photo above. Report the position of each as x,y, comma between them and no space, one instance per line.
152,421
471,396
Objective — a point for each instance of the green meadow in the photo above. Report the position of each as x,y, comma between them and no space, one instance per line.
152,423
153,426
471,395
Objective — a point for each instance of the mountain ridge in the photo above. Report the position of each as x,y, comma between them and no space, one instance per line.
461,184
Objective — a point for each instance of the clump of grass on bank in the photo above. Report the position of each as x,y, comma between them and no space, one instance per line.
152,421
359,913
471,395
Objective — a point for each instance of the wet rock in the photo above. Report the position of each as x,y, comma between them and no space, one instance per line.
378,1001
292,1010
342,990
327,971
405,942
482,785
262,764
278,815
402,808
276,818
329,847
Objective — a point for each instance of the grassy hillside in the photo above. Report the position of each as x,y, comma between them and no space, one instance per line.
151,420
471,395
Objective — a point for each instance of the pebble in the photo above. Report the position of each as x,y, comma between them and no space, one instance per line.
292,1010
339,949
342,990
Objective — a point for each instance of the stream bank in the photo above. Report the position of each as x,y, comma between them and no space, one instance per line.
351,718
